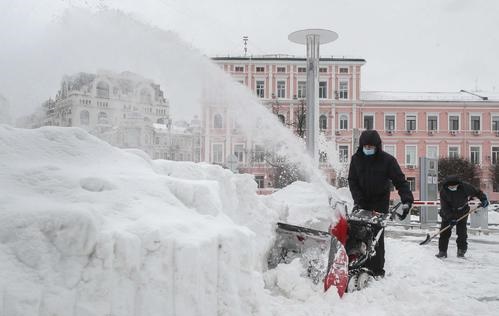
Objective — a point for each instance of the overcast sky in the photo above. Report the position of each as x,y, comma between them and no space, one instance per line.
424,45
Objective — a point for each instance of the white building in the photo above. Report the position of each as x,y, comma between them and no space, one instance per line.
125,110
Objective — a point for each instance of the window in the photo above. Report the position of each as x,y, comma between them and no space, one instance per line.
390,122
102,118
281,69
302,69
432,122
259,155
217,121
475,155
475,122
343,89
453,151
322,90
343,153
322,69
343,70
217,153
412,183
323,122
369,121
390,149
302,89
343,121
260,69
260,89
410,122
495,155
260,181
453,122
239,152
281,89
432,151
239,69
84,117
495,123
410,155
322,156
281,118
102,90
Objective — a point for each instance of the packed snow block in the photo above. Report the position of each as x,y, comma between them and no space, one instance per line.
94,184
195,278
235,279
202,196
57,301
21,300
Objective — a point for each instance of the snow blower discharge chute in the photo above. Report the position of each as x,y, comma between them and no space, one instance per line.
337,257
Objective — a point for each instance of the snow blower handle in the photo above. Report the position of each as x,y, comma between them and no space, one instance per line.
393,212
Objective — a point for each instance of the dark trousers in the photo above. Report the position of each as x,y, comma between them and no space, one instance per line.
377,263
462,235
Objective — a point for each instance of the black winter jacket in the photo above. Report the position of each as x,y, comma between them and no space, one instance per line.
454,204
369,176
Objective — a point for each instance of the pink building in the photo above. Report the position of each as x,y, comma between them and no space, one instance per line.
412,125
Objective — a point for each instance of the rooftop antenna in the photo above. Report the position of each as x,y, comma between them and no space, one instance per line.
245,40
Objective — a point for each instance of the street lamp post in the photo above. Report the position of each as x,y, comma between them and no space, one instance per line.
312,38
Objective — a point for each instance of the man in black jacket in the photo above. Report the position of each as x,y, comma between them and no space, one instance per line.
454,197
369,176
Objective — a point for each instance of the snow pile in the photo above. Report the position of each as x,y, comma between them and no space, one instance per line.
88,229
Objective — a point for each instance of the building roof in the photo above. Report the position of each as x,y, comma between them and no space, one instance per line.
428,96
284,57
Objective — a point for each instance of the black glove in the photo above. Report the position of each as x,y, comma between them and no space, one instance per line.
484,202
453,222
405,210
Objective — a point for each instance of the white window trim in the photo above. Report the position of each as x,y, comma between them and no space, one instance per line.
438,120
369,114
260,66
469,120
416,158
339,121
433,145
395,121
340,80
394,149
454,145
448,120
244,150
480,156
492,119
411,114
348,152
262,78
239,65
213,153
490,157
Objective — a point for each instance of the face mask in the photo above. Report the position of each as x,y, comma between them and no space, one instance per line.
369,152
452,188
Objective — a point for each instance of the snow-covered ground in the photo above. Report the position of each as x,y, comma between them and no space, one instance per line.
87,229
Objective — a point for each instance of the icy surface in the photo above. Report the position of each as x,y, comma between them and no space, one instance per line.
88,229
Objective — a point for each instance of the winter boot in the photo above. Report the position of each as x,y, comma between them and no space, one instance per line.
441,254
460,253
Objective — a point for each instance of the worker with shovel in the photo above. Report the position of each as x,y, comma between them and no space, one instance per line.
454,197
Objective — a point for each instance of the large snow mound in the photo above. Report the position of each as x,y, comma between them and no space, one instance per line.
89,229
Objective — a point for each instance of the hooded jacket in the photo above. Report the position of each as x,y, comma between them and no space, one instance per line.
454,204
369,176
